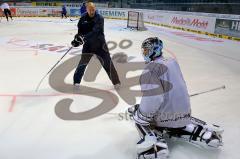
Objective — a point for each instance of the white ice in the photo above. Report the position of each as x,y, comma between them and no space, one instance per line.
29,127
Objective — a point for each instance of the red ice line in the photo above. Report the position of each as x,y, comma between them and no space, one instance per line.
171,53
12,104
14,97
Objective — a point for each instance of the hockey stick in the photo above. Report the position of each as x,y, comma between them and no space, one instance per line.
195,94
74,19
52,69
211,90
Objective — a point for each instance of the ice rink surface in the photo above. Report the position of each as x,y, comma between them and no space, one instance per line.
30,126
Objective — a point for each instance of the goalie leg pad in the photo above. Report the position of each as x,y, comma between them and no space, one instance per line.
150,146
197,134
211,127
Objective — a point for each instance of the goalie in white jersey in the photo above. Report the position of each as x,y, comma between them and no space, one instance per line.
165,109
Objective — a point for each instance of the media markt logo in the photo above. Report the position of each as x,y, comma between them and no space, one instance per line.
190,22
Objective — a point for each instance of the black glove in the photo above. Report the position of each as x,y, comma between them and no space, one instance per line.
78,40
75,43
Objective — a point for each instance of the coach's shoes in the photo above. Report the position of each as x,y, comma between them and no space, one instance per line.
76,86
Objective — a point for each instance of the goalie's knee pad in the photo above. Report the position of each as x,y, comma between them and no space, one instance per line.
138,117
197,134
151,147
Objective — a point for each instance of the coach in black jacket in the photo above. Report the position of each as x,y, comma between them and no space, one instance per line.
91,33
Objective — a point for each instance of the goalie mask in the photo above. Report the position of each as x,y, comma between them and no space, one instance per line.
152,48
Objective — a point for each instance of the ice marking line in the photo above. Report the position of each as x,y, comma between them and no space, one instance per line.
14,97
15,41
109,93
36,52
197,48
76,94
208,51
212,53
13,102
171,53
32,95
54,95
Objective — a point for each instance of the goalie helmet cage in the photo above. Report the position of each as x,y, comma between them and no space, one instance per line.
135,20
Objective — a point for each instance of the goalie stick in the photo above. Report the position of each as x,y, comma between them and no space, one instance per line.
207,91
192,95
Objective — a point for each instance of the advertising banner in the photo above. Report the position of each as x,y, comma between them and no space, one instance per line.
55,12
27,12
113,13
13,12
78,5
199,23
75,12
110,13
23,4
43,12
228,27
155,17
49,4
